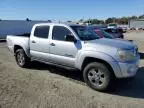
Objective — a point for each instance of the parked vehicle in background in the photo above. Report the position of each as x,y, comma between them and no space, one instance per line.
98,26
106,32
115,32
77,47
124,29
112,25
101,33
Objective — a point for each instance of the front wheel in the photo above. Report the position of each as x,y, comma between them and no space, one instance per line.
97,76
21,58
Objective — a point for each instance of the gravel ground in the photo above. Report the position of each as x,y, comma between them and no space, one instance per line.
44,86
138,37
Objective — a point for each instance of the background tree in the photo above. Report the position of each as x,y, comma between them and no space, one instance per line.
110,20
94,21
121,20
27,19
50,21
141,16
133,17
81,20
69,21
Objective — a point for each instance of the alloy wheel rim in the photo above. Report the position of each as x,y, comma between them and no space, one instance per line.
96,77
20,58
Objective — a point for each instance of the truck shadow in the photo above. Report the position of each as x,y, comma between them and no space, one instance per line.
141,55
76,75
132,87
2,40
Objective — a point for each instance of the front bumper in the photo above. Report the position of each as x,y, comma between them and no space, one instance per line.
129,69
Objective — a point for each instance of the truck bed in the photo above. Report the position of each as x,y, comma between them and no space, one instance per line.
21,40
24,35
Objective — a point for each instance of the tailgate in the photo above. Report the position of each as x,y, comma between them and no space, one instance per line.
9,43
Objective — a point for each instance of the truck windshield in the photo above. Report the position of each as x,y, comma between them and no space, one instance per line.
85,33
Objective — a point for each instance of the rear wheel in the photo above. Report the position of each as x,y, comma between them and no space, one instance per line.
97,76
21,58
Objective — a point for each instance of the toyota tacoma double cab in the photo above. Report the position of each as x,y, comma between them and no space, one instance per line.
77,47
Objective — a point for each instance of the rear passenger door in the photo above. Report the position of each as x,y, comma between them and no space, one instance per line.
62,52
39,43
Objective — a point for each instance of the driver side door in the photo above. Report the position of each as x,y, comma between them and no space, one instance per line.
62,52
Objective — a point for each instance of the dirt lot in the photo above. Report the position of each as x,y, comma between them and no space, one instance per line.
44,86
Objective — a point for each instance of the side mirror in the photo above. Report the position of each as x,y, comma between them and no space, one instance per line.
70,38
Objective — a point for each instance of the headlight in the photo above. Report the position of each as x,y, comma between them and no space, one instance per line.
126,55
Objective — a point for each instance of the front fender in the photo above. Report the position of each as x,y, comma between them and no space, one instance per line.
99,55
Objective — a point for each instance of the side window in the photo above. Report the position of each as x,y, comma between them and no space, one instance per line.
59,33
41,31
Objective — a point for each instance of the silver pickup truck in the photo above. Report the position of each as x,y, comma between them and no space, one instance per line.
77,47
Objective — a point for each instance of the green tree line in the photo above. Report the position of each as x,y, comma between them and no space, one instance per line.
122,20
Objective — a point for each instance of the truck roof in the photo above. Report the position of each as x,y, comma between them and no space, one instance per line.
61,24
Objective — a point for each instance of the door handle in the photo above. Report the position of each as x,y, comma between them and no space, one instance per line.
52,44
33,41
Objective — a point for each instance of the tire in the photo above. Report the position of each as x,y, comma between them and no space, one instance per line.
21,58
97,76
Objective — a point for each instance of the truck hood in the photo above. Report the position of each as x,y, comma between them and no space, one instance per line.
117,43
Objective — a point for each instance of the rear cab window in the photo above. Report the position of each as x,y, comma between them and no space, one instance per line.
42,31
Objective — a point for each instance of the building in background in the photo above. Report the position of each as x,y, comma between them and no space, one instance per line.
16,27
136,24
